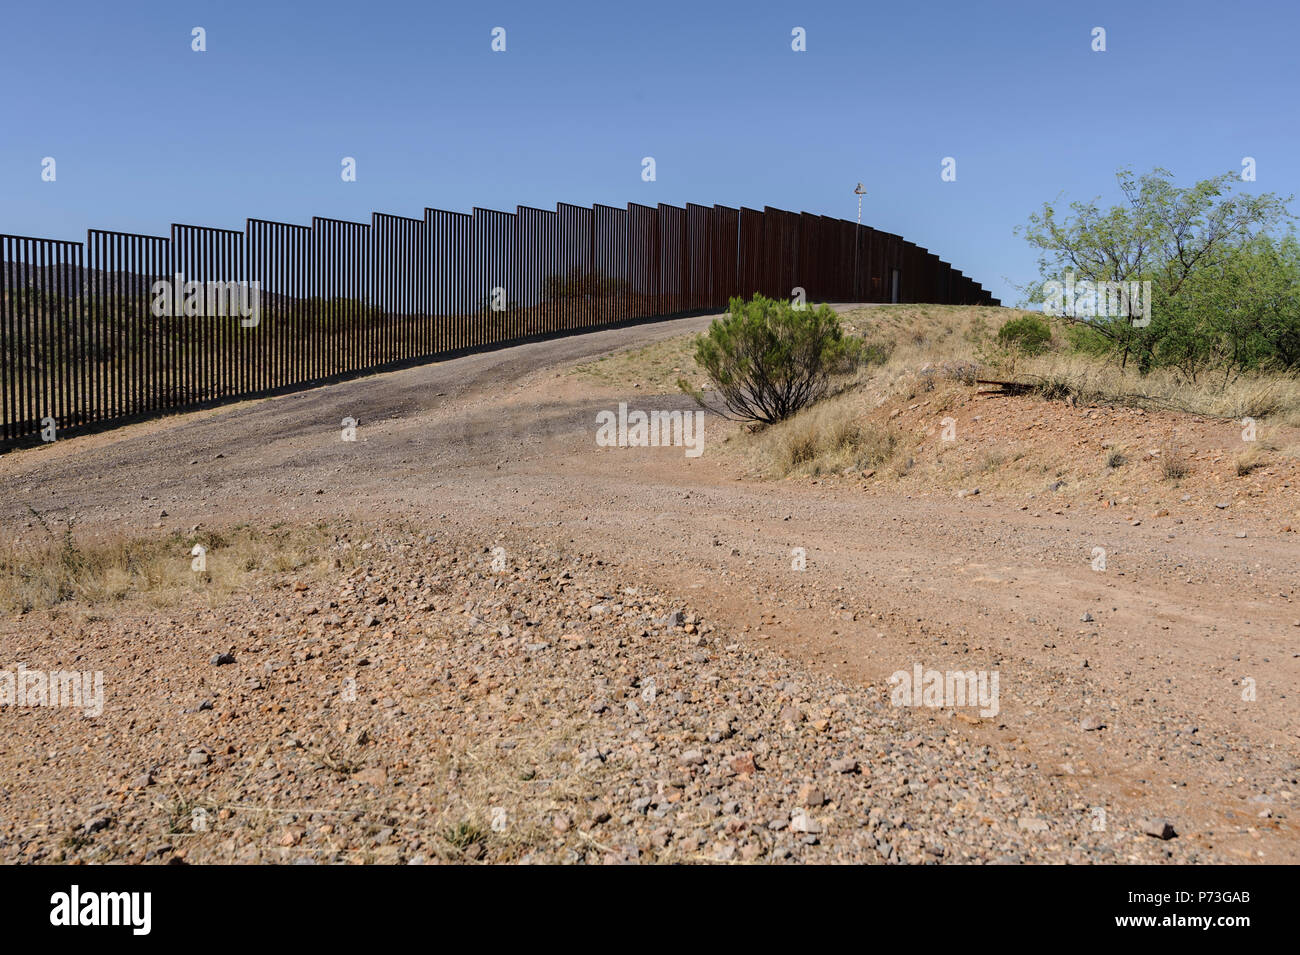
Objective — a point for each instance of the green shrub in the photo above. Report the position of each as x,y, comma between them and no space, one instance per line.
1027,334
876,352
768,359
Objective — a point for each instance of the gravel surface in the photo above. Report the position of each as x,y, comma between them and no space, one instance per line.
424,708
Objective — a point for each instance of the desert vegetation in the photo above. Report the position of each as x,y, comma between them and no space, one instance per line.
1212,328
1223,272
769,359
58,564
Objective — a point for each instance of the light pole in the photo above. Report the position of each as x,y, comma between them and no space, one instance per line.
857,239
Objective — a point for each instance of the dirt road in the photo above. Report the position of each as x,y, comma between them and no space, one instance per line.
1130,688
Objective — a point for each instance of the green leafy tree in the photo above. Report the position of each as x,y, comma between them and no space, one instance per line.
1241,312
1188,242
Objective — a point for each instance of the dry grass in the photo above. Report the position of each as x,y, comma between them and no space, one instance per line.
655,367
63,566
950,337
952,341
916,334
1174,462
831,438
1088,381
1252,459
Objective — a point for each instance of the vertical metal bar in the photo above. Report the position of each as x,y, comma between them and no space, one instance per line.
8,352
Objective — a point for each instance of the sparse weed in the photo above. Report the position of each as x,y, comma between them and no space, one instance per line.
465,834
1174,463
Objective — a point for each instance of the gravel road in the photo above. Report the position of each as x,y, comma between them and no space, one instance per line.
1123,695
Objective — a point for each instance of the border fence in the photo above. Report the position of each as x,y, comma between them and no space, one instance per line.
126,326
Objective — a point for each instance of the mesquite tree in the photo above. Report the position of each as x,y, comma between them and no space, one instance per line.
1193,245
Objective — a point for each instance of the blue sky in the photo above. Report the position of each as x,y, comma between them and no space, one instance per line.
146,132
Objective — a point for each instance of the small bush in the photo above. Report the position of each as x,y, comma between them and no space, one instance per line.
465,834
769,360
1028,335
1116,459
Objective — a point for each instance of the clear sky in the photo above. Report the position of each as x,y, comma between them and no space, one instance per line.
145,131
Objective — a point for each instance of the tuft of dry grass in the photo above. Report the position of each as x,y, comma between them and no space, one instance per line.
63,566
830,438
1174,462
1250,460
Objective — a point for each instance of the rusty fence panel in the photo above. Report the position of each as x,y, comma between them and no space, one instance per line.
341,290
122,270
726,254
197,360
809,250
643,260
699,245
493,290
42,340
750,252
671,248
574,289
775,255
272,352
449,246
862,254
400,289
828,267
609,243
537,232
